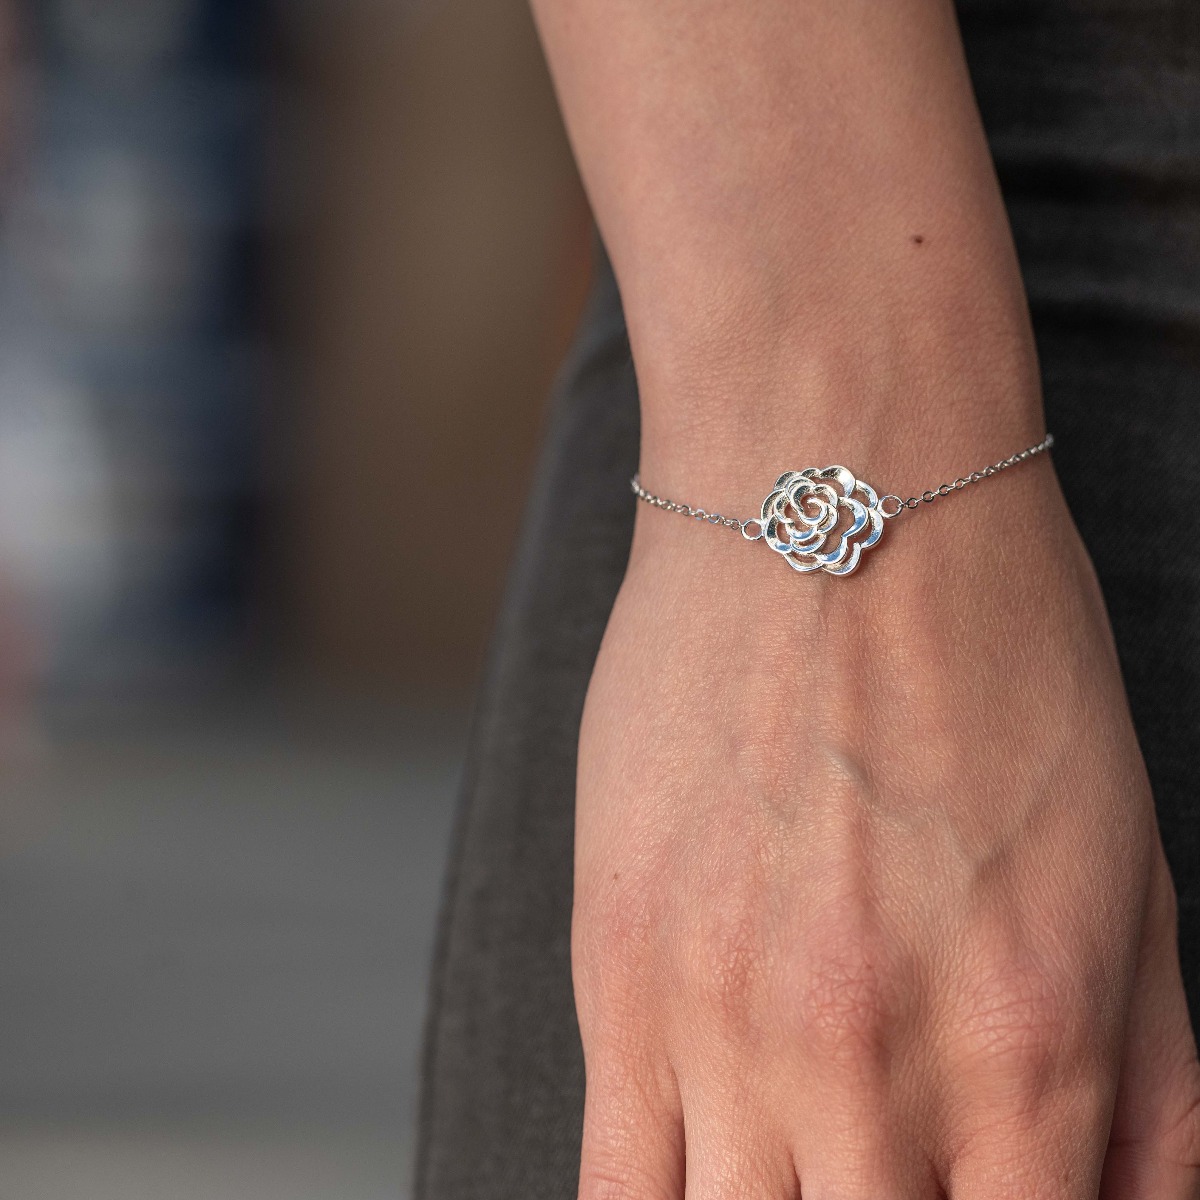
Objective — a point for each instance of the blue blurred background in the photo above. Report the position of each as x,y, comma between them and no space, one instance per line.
273,281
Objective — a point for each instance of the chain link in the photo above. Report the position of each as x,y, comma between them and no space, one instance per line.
944,489
926,497
683,509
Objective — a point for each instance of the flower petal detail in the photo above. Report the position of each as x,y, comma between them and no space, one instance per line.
804,542
772,534
860,518
801,514
832,557
876,519
802,564
851,563
868,493
846,480
770,506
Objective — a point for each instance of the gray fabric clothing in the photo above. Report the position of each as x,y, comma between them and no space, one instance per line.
1093,112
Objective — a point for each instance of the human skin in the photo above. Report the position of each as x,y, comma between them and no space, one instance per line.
870,899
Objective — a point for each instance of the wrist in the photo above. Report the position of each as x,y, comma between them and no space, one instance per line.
914,383
938,531
907,358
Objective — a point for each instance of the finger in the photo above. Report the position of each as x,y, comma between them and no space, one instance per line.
1031,1072
1055,1157
854,1168
632,1128
850,1148
1154,1147
734,1151
1046,1139
860,1116
1034,1100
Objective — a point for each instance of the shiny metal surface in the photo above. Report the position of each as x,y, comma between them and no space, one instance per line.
822,519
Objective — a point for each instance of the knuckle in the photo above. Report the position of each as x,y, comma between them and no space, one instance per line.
848,1001
611,939
614,915
1027,1029
726,967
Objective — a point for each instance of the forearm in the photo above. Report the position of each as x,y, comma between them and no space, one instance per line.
803,217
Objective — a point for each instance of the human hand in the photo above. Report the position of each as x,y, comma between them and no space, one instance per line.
870,900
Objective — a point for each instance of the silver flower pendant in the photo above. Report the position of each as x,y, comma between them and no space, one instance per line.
819,519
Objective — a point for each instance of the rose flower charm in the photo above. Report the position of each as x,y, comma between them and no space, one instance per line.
820,520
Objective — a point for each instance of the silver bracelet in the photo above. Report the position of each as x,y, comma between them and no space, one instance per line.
803,512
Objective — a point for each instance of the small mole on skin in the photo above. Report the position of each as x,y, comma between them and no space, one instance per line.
918,239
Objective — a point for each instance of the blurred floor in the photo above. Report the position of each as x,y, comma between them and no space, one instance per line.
214,934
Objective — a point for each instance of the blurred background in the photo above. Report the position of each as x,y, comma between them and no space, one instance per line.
274,280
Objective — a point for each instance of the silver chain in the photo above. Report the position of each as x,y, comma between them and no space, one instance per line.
926,497
944,489
684,509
